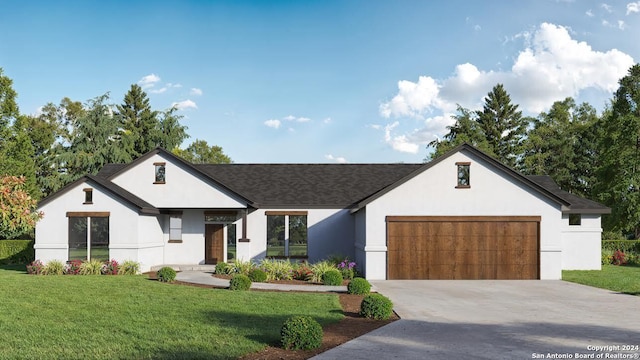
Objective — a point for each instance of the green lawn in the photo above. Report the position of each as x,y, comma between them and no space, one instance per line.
625,279
131,317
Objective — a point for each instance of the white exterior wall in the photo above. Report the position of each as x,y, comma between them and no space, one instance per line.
52,232
330,232
191,249
182,189
433,193
582,244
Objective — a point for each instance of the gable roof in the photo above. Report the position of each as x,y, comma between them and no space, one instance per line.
507,171
579,205
125,196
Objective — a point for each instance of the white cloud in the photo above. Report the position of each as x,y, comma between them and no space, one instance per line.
606,7
303,119
158,91
589,13
273,123
633,7
477,28
174,85
338,159
551,67
148,81
185,104
326,120
195,91
621,25
296,119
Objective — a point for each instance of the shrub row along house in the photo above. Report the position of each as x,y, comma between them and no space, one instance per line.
462,216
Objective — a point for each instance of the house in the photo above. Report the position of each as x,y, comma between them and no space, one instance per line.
462,216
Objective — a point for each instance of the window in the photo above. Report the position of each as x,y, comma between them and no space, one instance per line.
88,196
160,173
575,219
287,234
175,227
92,244
463,175
231,242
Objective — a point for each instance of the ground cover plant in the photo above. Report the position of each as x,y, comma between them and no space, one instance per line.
624,279
107,317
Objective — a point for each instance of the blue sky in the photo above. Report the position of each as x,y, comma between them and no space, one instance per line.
318,81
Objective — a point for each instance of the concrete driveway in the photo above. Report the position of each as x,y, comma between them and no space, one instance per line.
500,320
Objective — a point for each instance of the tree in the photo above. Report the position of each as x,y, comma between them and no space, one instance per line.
465,130
502,125
8,106
170,132
140,123
18,159
18,215
199,152
618,173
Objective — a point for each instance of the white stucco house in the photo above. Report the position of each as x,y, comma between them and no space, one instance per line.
462,216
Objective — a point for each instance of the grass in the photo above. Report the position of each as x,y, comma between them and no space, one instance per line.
624,279
131,317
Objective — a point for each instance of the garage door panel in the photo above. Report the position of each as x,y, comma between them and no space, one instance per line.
464,248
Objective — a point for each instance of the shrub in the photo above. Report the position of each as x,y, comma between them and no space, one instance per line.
240,282
318,269
302,272
347,268
16,251
277,269
73,267
619,258
92,267
376,306
332,277
35,268
301,333
54,267
222,268
633,259
166,274
129,267
242,267
257,275
625,246
110,268
607,257
359,286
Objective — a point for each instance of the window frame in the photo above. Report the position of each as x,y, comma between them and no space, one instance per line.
88,233
172,226
575,219
464,181
287,234
88,196
160,177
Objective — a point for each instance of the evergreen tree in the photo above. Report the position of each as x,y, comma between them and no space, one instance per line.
464,130
8,106
170,132
502,125
199,152
140,123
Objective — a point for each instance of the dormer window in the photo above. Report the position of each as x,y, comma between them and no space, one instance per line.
160,173
463,175
88,196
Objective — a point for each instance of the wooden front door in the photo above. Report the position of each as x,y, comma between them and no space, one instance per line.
213,243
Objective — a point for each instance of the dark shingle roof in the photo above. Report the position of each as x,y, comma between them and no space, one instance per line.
306,185
110,169
578,205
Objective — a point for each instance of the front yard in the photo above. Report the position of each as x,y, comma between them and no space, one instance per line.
131,317
624,279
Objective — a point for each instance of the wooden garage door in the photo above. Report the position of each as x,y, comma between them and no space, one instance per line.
428,247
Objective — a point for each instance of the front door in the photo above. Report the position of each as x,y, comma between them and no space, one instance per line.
213,243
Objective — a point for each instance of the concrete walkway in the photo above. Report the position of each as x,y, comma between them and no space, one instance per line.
205,278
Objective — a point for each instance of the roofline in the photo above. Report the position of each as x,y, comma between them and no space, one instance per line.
588,211
101,183
465,146
187,164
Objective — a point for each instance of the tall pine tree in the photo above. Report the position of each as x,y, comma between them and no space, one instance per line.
139,122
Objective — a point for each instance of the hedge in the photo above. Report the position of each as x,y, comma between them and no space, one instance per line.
16,252
622,245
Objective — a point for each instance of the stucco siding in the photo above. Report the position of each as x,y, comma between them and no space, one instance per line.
582,244
182,189
434,192
52,232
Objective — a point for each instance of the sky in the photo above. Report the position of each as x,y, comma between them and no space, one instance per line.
362,81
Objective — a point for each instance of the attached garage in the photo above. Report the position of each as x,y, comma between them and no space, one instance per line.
463,247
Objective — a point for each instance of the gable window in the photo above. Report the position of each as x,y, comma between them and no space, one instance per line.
287,234
463,173
160,172
88,196
575,219
88,236
175,227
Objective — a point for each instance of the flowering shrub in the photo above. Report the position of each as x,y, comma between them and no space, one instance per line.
35,268
347,268
72,267
110,268
619,258
302,272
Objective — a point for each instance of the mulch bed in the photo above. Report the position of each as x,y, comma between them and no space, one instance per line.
350,327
